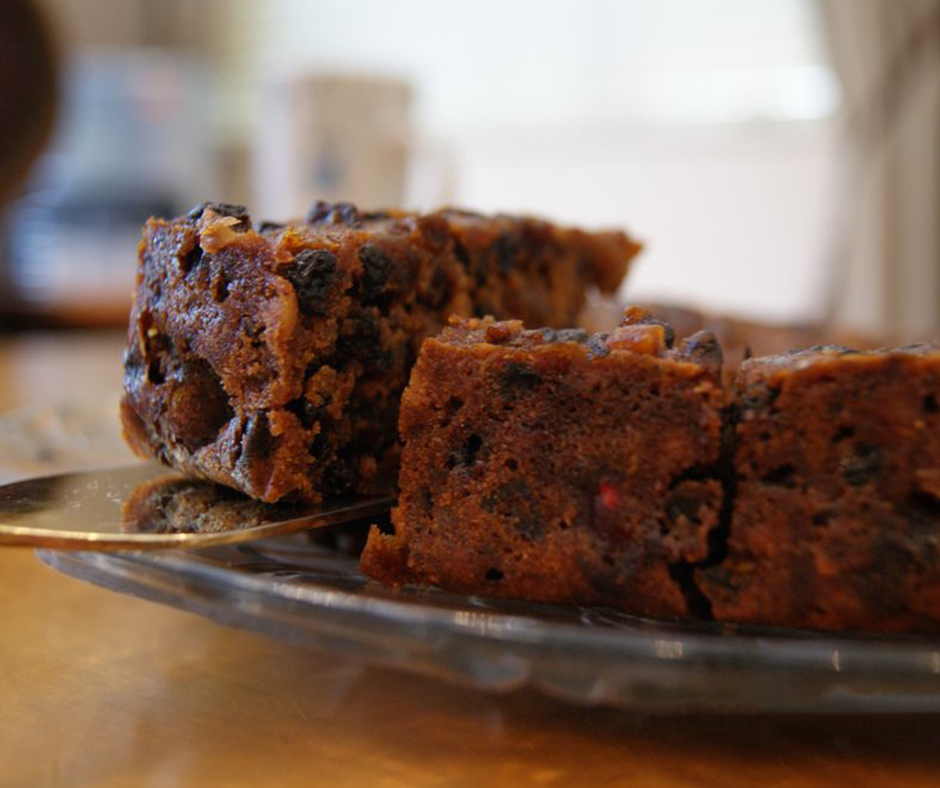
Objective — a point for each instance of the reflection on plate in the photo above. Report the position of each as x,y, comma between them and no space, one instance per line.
145,507
172,504
312,593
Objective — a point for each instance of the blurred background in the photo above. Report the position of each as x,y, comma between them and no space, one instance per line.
780,158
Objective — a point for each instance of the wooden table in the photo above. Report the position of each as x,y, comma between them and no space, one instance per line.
98,689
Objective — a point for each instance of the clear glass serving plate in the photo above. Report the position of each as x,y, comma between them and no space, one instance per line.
313,594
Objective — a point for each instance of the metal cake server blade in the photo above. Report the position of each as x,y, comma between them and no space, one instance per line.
146,507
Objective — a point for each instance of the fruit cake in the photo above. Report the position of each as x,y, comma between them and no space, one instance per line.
836,521
556,466
741,339
272,358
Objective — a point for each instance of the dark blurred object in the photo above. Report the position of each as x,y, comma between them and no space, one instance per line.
27,90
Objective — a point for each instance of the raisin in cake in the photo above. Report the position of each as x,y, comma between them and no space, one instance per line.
272,359
557,466
836,521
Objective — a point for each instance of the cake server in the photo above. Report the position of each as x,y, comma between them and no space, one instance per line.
144,507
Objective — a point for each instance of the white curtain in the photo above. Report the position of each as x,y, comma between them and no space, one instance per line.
886,266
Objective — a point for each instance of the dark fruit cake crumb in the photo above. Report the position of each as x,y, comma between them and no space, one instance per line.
556,466
273,360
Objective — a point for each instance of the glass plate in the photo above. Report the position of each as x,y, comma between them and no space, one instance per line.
313,594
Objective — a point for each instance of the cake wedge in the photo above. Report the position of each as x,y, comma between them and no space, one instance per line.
272,358
556,466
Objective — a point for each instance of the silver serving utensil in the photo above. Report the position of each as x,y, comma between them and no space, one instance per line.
145,507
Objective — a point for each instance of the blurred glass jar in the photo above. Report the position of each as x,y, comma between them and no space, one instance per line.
132,141
331,137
